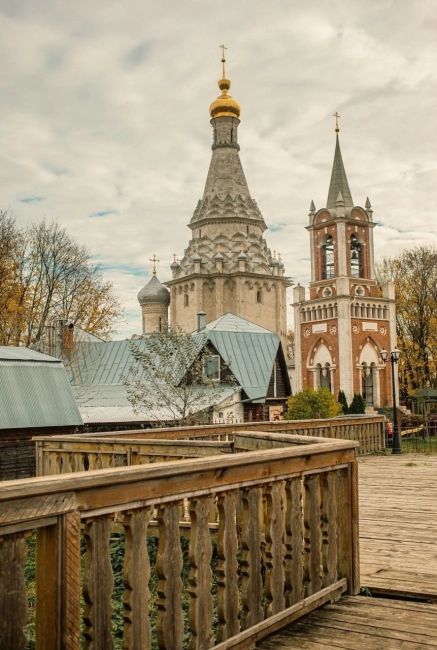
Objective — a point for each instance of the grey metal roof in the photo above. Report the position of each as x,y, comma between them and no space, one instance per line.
100,403
339,182
231,323
11,353
34,391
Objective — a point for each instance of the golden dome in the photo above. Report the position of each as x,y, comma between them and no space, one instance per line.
224,105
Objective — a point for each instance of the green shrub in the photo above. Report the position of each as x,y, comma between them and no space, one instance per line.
310,404
341,399
357,406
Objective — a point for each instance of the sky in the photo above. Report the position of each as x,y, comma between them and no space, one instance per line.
105,126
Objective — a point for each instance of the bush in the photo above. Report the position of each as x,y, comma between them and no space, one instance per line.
357,406
310,404
341,399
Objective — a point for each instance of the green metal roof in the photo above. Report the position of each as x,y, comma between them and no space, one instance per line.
248,349
34,391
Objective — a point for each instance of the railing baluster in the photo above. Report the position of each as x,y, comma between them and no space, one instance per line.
169,569
293,541
312,582
13,596
328,495
136,576
251,582
200,575
227,566
97,585
274,550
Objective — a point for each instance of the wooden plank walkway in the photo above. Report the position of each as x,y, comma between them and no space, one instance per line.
358,622
398,525
398,549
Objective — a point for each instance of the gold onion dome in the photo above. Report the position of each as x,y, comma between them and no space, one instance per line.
224,105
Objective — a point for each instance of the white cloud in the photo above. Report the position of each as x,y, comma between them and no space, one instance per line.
105,110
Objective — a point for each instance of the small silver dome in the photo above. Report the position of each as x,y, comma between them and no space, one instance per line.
154,292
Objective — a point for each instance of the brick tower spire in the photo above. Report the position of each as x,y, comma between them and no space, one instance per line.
348,319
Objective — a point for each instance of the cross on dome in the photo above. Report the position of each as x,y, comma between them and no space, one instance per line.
154,260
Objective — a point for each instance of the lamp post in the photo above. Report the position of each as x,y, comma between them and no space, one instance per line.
393,358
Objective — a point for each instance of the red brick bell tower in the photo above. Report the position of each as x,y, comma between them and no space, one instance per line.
348,318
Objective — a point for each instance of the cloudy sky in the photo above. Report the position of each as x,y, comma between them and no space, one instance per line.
105,128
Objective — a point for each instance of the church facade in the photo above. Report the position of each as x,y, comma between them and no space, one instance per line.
347,319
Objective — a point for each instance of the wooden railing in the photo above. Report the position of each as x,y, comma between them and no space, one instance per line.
63,454
238,546
368,430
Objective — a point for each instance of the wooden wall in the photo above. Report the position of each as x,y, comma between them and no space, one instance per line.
17,450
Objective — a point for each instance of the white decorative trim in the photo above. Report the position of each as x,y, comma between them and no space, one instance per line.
370,327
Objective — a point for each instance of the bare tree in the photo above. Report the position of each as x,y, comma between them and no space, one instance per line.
53,277
172,378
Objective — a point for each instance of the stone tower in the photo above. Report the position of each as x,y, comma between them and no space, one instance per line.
154,299
227,266
347,319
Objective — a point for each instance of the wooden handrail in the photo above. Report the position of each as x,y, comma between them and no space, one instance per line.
63,454
284,540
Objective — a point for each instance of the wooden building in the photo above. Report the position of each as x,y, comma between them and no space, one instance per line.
35,399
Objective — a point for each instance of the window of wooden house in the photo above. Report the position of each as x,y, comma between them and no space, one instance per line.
211,367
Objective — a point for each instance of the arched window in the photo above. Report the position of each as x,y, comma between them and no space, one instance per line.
356,258
324,376
259,296
186,300
328,258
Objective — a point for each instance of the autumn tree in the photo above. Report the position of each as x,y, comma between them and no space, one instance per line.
172,379
50,277
414,274
9,275
310,404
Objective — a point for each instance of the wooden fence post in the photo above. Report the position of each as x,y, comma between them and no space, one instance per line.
58,584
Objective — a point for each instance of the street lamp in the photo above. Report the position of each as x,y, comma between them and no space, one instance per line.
393,358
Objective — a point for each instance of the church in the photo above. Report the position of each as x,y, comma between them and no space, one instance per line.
227,267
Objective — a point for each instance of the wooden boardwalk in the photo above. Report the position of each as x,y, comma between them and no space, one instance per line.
398,525
358,622
398,549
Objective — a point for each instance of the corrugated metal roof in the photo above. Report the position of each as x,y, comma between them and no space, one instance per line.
248,349
110,404
101,363
34,391
12,353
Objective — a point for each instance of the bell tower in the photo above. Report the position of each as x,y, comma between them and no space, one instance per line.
348,318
